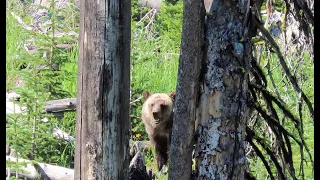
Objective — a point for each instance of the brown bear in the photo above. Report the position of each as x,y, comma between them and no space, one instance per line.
157,116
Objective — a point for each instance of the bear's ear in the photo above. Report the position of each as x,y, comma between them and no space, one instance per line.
172,94
146,94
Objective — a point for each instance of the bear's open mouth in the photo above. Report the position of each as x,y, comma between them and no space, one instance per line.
156,121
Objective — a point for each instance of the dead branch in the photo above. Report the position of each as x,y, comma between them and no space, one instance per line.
136,100
59,134
143,146
272,82
151,19
284,65
56,107
23,24
260,155
137,168
146,16
68,104
269,152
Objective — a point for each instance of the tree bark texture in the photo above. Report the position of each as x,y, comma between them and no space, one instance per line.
222,112
102,138
191,56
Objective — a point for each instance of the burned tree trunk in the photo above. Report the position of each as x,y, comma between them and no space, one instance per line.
187,90
222,110
102,139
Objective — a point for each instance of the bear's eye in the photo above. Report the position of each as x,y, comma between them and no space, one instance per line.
152,104
162,106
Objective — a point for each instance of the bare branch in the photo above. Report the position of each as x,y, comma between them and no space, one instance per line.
260,155
284,66
272,82
270,153
23,24
306,10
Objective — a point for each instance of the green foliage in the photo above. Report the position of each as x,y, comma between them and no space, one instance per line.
154,63
14,45
303,68
154,59
27,133
169,24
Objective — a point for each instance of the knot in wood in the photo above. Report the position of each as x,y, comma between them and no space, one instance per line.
92,146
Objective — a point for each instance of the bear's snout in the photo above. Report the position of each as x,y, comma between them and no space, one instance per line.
157,116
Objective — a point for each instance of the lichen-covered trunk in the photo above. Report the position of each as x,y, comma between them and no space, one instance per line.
222,112
102,135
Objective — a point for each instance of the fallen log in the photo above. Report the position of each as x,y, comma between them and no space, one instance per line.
56,107
33,171
60,105
67,104
137,168
143,146
40,170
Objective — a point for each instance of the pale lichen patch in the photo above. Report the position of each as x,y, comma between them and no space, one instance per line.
207,170
210,134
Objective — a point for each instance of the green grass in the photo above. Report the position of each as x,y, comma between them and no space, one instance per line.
305,75
71,69
153,70
15,37
156,75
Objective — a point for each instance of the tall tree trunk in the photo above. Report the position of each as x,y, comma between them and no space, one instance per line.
222,111
102,138
187,90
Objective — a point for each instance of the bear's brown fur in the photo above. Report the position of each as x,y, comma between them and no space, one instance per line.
157,116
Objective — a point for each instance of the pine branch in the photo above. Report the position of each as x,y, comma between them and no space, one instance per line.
285,152
279,135
301,129
273,83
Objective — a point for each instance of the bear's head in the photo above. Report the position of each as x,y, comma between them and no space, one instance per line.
157,107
